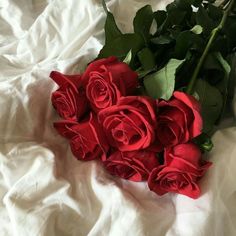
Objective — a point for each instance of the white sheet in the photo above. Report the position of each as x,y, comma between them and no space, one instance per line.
44,190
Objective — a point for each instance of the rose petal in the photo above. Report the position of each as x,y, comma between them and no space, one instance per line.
64,128
190,101
65,80
134,166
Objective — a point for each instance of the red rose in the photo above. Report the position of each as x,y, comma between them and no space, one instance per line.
69,100
64,128
181,171
134,166
130,124
178,120
106,80
87,139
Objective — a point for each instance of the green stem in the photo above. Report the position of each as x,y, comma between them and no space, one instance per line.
104,6
224,3
214,33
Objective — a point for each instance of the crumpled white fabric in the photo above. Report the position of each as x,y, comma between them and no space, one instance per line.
44,190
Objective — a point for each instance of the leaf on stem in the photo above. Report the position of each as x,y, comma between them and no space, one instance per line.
111,30
204,142
120,46
197,29
204,20
161,84
146,59
211,102
128,57
143,21
223,85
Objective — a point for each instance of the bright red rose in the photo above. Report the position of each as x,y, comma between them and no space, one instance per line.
129,125
178,120
134,166
106,80
69,99
181,171
87,139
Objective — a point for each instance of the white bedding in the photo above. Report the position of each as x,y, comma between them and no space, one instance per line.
44,190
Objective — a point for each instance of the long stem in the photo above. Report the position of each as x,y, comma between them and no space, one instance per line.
104,6
224,4
214,33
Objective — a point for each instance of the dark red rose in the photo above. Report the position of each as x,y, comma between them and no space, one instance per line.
69,99
134,166
178,120
64,128
87,139
181,171
106,80
130,124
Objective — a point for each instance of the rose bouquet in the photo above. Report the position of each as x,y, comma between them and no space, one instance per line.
148,105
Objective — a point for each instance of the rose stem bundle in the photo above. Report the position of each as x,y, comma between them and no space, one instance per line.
214,34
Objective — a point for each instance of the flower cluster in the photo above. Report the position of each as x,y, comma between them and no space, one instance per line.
136,137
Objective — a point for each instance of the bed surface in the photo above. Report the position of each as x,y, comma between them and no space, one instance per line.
44,190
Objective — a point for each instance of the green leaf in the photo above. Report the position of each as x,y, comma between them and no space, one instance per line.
211,104
120,47
217,44
215,13
186,41
161,84
232,81
142,73
223,85
230,30
143,21
226,68
217,71
111,30
128,57
161,40
204,142
197,29
175,17
160,17
197,3
185,72
212,70
183,42
146,59
204,20
211,63
184,4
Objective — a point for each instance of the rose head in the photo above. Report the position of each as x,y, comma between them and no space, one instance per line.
87,139
69,99
134,166
65,128
181,171
178,120
129,125
106,80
